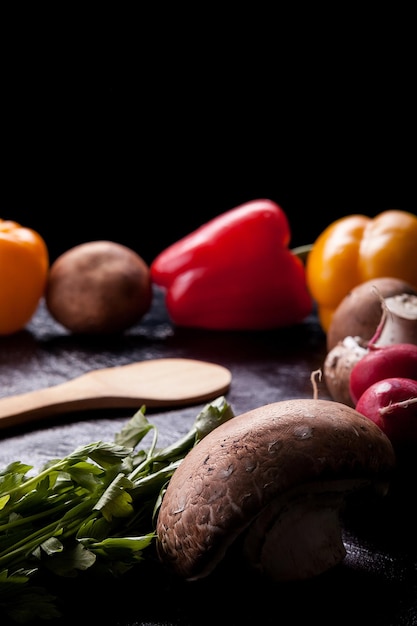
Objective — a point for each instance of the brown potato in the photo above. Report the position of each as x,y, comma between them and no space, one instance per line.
98,287
359,313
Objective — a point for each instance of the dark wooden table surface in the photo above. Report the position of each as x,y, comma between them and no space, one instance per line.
377,582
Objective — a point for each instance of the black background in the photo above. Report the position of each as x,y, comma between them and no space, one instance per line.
138,127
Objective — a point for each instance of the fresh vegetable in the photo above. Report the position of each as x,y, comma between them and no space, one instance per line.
355,249
396,332
235,272
359,313
391,404
24,262
399,320
98,287
393,361
92,510
338,365
272,483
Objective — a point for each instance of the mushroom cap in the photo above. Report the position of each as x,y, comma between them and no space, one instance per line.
249,462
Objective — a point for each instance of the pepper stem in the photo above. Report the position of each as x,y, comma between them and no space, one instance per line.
302,252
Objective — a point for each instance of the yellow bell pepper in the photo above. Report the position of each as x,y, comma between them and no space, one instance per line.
357,248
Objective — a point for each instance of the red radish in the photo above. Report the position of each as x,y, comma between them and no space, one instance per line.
391,404
391,361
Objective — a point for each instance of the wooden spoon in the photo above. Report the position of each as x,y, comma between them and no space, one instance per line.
155,383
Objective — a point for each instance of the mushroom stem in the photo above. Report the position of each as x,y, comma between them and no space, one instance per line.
398,321
299,541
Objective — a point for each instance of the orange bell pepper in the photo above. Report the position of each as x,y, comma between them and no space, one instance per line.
24,264
357,248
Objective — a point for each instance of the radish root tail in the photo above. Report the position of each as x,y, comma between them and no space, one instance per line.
314,375
404,404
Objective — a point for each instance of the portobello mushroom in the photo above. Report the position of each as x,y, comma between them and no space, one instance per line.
276,477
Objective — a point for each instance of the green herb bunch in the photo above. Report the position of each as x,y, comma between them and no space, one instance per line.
93,510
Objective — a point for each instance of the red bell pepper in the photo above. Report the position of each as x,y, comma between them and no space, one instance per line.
235,272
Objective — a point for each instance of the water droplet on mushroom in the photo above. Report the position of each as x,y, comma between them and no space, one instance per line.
303,432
